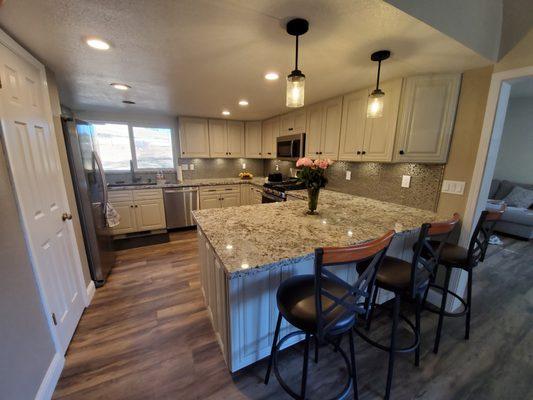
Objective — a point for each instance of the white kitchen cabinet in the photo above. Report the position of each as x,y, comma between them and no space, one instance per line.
293,123
231,200
235,139
219,196
245,194
194,137
139,210
252,139
353,126
212,201
426,118
323,129
256,196
270,133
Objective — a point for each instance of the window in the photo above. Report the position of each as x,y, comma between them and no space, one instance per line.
153,148
119,144
113,144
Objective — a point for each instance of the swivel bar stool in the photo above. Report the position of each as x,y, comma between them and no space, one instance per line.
409,281
326,307
454,256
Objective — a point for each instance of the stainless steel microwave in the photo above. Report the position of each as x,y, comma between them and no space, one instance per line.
291,147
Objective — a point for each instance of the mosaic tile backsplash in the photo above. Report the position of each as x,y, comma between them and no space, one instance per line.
381,181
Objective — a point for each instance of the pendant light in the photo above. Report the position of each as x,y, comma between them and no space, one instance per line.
375,100
296,80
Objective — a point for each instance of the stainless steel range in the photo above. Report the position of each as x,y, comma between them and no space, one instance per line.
277,191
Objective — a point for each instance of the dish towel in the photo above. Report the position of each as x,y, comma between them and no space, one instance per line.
112,217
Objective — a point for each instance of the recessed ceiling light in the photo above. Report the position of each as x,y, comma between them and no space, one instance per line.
128,102
98,44
271,76
226,112
243,102
121,86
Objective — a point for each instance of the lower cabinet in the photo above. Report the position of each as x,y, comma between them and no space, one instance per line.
139,210
220,196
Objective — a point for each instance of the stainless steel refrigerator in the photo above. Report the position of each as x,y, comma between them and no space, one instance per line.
90,188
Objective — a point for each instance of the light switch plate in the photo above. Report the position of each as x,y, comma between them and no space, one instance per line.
406,181
185,167
348,175
191,167
453,187
243,165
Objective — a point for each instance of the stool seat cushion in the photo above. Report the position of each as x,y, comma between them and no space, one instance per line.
394,274
452,254
296,302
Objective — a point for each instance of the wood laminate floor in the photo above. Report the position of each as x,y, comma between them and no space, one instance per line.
147,335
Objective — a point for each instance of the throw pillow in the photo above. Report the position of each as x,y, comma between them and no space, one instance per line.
519,197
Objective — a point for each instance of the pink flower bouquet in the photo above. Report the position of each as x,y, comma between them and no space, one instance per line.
313,175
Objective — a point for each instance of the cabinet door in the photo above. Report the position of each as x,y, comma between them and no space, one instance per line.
253,139
218,138
353,126
126,211
299,118
150,214
286,124
314,131
231,199
427,113
235,139
245,194
257,195
380,132
270,134
331,128
210,201
194,137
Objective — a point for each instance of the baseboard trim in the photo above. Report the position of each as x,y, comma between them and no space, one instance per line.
49,382
90,293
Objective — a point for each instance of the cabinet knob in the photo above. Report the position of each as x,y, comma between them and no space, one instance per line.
316,152
290,129
319,152
131,206
401,152
260,153
182,152
66,216
358,152
136,206
269,153
364,152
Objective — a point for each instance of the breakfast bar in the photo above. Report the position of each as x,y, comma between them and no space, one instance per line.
246,252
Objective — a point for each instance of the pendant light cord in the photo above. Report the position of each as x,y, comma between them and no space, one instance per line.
379,71
296,62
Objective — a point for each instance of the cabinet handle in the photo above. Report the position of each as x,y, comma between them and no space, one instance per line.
260,153
290,129
358,152
316,152
321,152
364,152
131,206
269,153
182,152
136,206
401,152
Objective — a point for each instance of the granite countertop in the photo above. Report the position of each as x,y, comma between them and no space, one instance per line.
194,182
253,238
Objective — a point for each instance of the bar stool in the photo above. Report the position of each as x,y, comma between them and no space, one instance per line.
454,256
326,307
409,281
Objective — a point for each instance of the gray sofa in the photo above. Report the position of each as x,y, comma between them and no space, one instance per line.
515,221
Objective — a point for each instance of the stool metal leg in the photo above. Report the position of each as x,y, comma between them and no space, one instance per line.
395,317
352,361
468,304
442,309
417,328
306,364
316,349
276,334
372,306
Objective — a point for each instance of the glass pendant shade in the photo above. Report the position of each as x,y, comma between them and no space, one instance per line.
375,107
295,89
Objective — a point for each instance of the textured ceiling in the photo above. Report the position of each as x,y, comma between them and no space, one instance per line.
198,57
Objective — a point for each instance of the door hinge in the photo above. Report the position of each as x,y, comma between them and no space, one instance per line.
54,318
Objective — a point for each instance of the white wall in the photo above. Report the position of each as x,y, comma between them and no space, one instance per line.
515,157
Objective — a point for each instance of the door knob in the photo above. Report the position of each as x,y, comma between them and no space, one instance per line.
66,216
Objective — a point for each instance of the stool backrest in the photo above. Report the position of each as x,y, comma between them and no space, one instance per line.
482,233
426,256
349,302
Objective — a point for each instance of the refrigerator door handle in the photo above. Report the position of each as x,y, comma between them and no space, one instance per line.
102,177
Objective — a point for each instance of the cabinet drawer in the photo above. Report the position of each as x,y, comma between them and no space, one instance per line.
206,190
120,196
147,194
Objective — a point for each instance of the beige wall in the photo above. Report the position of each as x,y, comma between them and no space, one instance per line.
465,139
56,113
520,56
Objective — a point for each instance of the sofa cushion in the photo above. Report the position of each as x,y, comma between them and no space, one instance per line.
505,187
519,197
518,216
493,188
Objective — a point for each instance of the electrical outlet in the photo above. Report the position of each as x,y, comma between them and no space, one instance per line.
348,175
406,181
453,187
185,167
277,167
191,167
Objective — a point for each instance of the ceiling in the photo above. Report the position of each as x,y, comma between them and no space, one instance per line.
198,57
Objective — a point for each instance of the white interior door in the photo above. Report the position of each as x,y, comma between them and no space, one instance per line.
35,167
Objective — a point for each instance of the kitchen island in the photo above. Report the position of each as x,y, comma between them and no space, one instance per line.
247,251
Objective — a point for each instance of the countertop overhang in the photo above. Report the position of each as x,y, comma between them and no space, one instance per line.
258,181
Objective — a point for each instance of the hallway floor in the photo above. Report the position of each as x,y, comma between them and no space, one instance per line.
147,335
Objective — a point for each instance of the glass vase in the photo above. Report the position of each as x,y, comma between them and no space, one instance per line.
312,200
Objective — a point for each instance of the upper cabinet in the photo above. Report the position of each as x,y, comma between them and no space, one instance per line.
269,132
226,138
323,129
293,123
353,126
426,118
194,137
252,139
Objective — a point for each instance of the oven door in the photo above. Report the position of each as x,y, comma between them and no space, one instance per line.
270,198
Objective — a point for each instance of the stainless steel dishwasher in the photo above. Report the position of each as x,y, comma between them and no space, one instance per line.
179,204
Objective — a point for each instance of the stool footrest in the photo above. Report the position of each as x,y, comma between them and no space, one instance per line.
436,310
